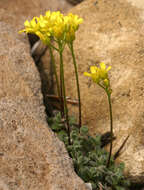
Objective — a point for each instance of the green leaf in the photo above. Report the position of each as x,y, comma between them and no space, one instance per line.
62,135
72,120
74,135
84,173
84,130
98,140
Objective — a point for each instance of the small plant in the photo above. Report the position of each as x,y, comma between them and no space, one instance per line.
99,76
90,160
55,27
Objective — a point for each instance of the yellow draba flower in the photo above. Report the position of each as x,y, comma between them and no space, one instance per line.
104,71
30,27
53,25
94,74
72,23
99,74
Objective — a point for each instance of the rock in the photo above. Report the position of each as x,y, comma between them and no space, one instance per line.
89,186
112,32
31,156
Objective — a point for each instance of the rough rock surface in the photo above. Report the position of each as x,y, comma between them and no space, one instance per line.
31,156
112,32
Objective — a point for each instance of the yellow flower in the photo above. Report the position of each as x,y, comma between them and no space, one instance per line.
47,14
94,74
104,71
56,24
38,26
30,27
72,23
99,74
53,25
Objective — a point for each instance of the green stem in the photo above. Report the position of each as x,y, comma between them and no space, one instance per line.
63,90
56,76
111,126
77,81
54,68
54,47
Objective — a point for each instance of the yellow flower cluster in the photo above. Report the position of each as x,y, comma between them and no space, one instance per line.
99,74
53,25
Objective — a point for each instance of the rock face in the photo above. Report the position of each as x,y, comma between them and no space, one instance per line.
31,156
112,32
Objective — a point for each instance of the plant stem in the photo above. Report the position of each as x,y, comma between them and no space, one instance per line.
57,82
77,81
111,126
63,90
54,68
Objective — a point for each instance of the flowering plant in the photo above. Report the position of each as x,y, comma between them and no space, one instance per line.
99,75
54,26
90,161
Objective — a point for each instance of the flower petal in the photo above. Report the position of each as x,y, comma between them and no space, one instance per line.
102,66
87,74
108,68
26,23
93,69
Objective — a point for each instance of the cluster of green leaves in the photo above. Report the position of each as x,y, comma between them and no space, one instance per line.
89,158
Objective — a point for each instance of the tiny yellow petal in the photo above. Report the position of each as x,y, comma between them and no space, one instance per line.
106,82
93,69
108,68
33,23
21,31
87,74
102,66
48,13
